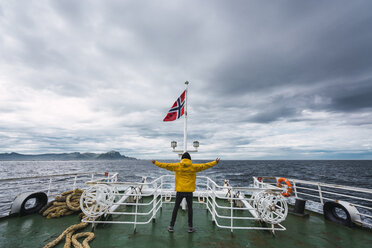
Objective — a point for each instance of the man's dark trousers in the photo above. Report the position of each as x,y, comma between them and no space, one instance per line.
179,197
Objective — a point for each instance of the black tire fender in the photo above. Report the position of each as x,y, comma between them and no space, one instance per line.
41,199
19,204
329,212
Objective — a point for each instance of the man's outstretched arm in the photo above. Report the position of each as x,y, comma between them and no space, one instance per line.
201,167
167,166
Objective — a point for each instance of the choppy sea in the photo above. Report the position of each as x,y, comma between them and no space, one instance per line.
356,173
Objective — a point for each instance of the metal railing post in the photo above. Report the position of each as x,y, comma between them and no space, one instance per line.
155,201
231,206
214,203
135,213
320,194
207,195
295,188
74,187
161,190
50,184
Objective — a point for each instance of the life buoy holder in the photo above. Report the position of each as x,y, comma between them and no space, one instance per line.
286,181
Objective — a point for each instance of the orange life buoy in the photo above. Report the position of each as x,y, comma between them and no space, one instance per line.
286,181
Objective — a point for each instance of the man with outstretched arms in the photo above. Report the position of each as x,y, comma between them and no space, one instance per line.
185,178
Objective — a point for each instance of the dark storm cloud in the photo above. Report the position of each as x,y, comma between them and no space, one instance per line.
300,44
273,114
352,96
341,97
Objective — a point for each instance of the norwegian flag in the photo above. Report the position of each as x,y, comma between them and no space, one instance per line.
177,110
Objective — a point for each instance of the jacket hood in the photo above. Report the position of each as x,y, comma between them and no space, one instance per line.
186,162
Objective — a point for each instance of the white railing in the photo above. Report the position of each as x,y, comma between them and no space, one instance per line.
130,203
318,193
233,195
52,185
139,203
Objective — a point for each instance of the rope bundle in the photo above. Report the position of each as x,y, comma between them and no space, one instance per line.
65,204
70,237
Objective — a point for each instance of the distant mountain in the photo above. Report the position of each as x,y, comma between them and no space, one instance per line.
112,155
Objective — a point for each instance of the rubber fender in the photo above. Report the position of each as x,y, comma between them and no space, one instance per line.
19,204
352,214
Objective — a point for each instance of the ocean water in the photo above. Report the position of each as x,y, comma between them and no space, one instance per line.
356,173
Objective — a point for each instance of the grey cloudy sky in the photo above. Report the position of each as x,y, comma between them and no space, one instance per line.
268,79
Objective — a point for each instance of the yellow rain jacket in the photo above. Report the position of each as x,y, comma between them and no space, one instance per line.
185,173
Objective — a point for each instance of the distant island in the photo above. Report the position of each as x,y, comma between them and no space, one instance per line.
112,155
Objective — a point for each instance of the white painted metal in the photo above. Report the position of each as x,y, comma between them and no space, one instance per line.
97,200
50,176
295,189
210,192
314,192
185,120
75,179
49,186
180,152
124,197
271,207
320,194
353,211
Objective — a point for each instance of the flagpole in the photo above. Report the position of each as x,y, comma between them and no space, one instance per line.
185,121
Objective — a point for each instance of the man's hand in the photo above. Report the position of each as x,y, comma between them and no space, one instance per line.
153,161
217,160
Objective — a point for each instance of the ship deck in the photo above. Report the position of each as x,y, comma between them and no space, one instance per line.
313,231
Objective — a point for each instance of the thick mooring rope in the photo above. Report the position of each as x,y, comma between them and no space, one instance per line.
71,230
68,240
89,236
65,204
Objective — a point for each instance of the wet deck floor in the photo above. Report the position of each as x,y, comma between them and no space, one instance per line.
314,231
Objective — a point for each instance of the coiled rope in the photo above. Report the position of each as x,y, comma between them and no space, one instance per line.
68,234
65,204
89,236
